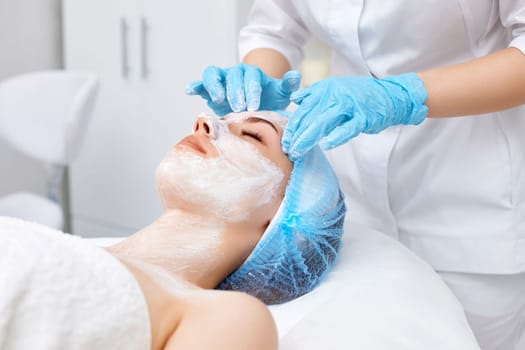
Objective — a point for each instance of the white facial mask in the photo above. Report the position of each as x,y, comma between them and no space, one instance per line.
229,186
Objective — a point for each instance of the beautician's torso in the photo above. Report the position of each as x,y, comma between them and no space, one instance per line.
408,181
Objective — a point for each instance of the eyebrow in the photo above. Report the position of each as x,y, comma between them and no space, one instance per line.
257,120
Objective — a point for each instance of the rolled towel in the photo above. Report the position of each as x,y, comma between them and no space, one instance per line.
59,291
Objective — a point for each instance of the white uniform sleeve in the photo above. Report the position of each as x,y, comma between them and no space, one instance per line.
274,24
512,14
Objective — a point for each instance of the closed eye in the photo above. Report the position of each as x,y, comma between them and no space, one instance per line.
252,134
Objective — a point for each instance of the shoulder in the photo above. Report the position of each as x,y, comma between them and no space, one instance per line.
244,319
225,320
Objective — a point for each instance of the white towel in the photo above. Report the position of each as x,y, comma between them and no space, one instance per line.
58,291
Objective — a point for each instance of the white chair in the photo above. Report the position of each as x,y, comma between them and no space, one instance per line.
45,115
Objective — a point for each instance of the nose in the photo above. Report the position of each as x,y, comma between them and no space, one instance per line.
202,126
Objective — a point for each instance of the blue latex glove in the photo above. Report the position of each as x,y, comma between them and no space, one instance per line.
244,87
335,110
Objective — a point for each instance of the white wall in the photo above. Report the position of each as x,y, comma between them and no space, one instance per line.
30,39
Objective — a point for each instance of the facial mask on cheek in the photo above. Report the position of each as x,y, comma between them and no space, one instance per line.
229,186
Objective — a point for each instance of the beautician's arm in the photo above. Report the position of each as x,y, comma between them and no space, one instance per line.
486,84
272,62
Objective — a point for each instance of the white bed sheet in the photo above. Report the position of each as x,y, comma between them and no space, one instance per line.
379,296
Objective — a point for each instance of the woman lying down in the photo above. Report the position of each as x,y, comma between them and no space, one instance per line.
239,217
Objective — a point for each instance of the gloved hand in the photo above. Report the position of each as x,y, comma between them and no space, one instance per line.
337,109
244,87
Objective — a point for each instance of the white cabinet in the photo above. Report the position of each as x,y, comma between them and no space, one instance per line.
145,52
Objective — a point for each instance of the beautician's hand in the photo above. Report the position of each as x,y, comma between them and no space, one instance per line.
335,110
244,87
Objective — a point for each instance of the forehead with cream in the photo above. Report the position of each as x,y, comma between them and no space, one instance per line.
274,117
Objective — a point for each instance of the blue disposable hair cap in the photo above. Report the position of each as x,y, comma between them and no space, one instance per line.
301,243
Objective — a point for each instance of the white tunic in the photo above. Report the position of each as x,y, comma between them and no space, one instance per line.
452,189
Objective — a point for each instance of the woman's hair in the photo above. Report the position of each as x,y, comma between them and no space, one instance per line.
302,241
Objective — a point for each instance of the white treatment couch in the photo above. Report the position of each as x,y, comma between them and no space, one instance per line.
379,296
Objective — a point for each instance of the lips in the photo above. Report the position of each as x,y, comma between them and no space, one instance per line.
196,144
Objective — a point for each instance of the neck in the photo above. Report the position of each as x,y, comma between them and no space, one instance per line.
197,249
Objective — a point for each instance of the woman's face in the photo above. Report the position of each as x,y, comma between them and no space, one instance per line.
231,167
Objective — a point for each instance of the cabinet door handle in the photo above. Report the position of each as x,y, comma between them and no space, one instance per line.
124,59
144,46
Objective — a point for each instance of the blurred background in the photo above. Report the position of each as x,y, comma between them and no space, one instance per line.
143,52
30,40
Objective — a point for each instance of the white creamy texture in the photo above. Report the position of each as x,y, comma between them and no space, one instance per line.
229,186
178,251
174,285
